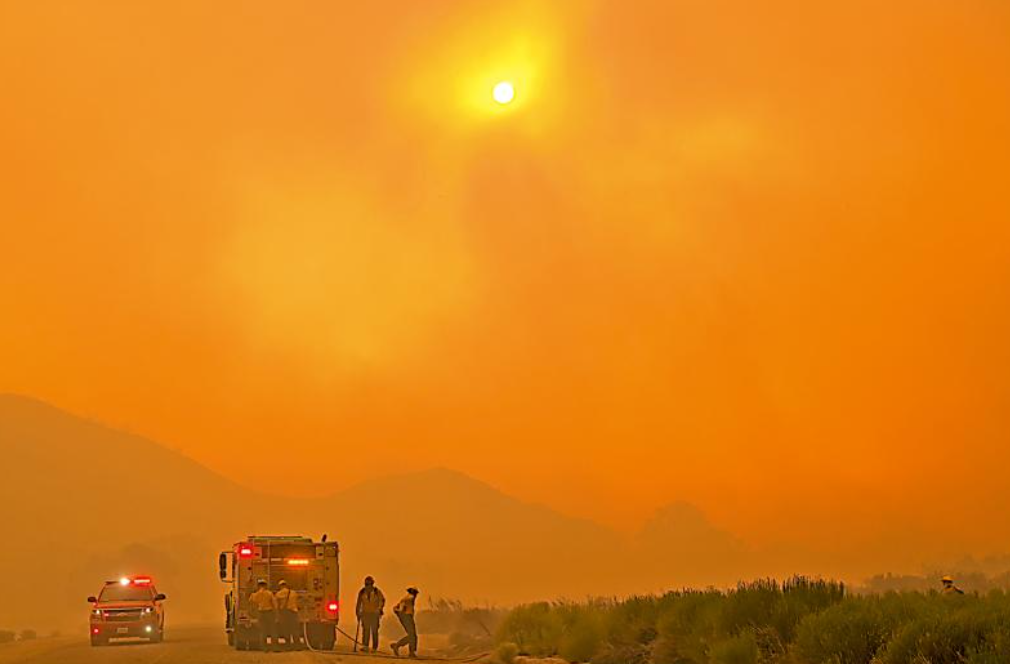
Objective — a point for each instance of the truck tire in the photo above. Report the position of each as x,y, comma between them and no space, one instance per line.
98,640
250,639
322,636
231,639
158,636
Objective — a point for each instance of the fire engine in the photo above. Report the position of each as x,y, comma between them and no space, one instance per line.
310,569
128,608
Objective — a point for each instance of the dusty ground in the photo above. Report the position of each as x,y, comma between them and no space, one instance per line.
194,645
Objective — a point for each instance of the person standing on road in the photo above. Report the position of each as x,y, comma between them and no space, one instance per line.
404,610
368,610
265,604
287,615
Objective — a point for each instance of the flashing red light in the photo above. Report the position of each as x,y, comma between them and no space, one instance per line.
332,607
245,551
94,630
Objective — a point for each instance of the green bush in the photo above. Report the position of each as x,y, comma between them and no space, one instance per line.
582,632
625,654
852,632
956,629
741,649
505,653
535,628
800,621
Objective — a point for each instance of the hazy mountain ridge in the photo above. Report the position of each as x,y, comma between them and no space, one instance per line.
98,502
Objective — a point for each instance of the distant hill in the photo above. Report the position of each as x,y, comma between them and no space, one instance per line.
84,480
84,502
469,540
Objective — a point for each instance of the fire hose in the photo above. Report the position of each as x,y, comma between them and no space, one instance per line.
355,653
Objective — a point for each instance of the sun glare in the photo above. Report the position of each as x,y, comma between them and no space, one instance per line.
504,92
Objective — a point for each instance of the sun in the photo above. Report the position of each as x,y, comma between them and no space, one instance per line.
504,92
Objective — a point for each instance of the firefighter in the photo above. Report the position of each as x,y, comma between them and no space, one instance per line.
404,610
287,614
949,588
368,610
266,613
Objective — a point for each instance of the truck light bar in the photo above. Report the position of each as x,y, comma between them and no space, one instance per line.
298,562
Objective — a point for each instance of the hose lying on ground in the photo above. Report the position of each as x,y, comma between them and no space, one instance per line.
308,644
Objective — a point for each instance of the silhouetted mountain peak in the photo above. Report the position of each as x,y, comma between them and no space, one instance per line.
683,526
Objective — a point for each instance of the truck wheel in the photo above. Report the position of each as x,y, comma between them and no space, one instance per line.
322,636
231,639
312,635
158,637
98,640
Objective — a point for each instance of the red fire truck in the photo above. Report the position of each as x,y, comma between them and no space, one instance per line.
310,569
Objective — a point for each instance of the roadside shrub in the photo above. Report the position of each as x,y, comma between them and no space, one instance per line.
848,633
687,625
534,628
960,628
505,653
626,654
6,636
741,649
582,633
766,603
470,629
800,621
633,621
28,635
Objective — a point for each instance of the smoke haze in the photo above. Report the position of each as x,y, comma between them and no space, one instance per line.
749,257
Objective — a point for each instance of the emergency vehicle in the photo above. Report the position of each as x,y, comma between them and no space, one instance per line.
310,569
128,608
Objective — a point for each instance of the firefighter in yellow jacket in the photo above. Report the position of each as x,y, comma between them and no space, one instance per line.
265,605
404,610
288,625
948,586
368,610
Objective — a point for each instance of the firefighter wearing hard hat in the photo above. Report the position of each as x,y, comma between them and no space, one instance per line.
948,586
368,610
288,625
265,604
404,610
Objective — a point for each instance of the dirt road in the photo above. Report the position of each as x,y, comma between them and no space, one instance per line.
203,645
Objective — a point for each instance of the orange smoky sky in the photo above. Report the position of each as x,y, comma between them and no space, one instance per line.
751,255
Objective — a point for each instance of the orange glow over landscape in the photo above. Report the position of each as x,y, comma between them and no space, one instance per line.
753,256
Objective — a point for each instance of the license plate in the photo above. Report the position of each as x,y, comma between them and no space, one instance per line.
122,630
